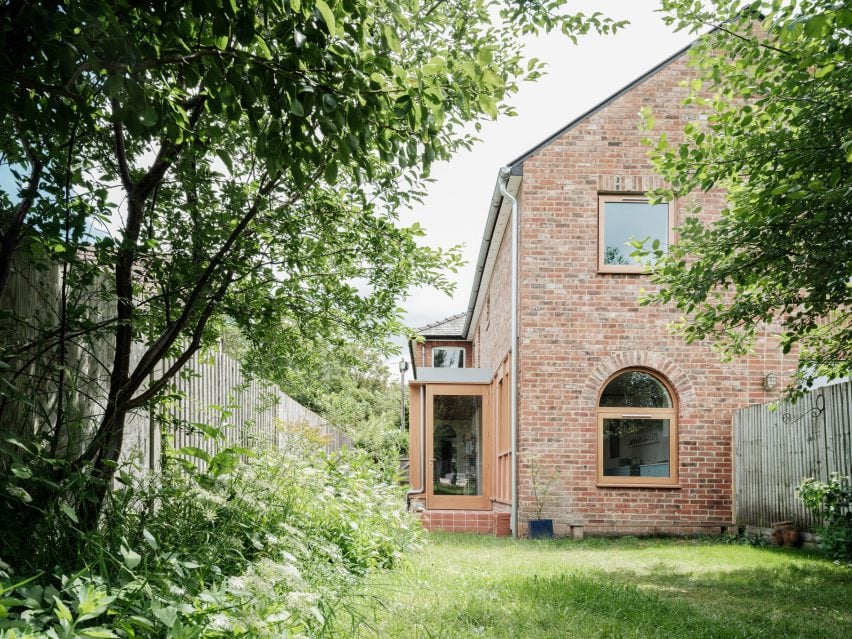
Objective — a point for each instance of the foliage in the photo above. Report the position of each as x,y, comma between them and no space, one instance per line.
831,501
244,160
774,80
259,548
347,384
613,255
745,538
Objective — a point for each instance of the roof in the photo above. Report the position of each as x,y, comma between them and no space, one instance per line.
454,375
601,105
516,168
450,327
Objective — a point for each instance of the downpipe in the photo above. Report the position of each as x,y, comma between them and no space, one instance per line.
505,172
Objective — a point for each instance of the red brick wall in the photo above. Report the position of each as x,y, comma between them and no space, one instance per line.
467,521
492,338
425,350
578,327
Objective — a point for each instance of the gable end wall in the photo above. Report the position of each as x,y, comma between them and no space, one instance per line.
578,327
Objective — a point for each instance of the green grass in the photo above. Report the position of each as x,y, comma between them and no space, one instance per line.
460,586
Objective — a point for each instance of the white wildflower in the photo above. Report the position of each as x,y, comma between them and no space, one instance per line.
220,622
236,583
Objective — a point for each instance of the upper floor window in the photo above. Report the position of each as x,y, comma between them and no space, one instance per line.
448,357
637,431
622,219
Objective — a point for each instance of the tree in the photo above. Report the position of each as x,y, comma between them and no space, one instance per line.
249,160
775,79
345,381
350,387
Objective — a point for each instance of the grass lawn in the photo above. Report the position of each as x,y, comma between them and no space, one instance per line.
460,586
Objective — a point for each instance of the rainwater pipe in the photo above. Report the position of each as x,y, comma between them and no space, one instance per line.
505,172
422,489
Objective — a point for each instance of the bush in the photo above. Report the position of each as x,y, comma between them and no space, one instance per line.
262,547
831,501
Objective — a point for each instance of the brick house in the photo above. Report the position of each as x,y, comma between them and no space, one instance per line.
556,375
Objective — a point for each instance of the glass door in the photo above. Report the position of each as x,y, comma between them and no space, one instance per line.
458,444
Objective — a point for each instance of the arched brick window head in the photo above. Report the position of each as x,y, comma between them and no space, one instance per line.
637,431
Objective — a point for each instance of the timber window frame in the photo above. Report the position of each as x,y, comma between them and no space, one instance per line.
614,211
434,475
647,455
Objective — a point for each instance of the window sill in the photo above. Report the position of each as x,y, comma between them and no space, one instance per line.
603,270
637,485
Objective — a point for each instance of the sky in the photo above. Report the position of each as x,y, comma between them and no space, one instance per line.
578,77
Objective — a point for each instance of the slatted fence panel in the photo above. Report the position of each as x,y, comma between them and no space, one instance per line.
215,391
248,412
776,449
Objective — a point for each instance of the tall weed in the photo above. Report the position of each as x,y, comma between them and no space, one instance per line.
266,546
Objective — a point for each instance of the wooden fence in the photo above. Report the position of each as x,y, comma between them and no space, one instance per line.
214,390
776,449
248,412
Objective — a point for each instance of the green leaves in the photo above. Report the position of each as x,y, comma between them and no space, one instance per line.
488,104
776,139
131,558
327,15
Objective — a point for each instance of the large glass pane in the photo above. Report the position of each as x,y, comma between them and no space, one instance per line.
457,445
636,447
628,221
448,357
635,389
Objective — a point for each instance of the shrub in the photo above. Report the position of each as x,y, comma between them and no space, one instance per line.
831,501
267,546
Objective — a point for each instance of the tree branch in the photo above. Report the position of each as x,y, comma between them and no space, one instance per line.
121,153
195,343
11,236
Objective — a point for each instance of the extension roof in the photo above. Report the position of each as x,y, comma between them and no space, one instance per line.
449,328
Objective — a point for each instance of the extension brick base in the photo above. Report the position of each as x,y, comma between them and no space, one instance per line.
467,521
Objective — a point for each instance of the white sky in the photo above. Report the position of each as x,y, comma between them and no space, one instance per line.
578,77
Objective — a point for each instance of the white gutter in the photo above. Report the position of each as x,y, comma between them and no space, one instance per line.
505,172
484,249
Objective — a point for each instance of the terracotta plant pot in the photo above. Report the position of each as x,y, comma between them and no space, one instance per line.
792,538
784,533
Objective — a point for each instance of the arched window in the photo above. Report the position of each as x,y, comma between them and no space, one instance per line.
637,431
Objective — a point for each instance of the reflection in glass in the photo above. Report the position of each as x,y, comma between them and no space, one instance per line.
628,221
636,447
457,445
635,389
448,357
